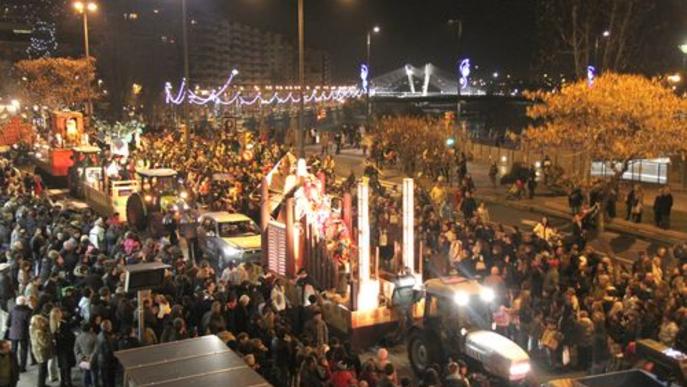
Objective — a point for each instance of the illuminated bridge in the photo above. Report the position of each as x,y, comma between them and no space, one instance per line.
427,81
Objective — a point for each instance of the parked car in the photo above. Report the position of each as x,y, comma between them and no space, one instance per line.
225,237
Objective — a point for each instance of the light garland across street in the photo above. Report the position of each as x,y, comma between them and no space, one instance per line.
221,96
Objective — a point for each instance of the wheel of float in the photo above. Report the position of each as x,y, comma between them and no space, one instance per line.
136,212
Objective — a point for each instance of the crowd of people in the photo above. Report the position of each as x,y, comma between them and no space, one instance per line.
62,290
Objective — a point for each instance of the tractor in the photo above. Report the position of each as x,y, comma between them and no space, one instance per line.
160,192
456,324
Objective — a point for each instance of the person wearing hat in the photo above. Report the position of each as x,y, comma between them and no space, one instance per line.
18,326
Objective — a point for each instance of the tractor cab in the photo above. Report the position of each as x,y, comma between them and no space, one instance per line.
456,324
160,192
86,169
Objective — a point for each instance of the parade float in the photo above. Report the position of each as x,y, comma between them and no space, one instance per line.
305,227
53,148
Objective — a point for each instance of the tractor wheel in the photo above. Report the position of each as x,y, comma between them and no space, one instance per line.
423,352
136,212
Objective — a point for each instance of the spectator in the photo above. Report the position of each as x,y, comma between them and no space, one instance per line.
41,342
18,325
84,349
9,369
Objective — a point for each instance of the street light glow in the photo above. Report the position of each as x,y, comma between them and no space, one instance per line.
376,29
683,48
81,7
606,33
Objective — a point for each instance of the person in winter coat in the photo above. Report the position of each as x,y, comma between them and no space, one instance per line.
18,326
64,345
9,370
104,359
7,286
585,344
41,342
97,234
84,348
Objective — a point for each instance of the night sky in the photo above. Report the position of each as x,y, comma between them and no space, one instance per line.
498,35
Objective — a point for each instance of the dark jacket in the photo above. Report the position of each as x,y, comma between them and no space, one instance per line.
64,345
14,369
6,288
105,347
18,323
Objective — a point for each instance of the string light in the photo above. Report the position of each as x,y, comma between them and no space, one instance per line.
591,75
464,69
364,72
43,42
185,94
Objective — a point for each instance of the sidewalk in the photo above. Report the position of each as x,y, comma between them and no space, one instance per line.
547,204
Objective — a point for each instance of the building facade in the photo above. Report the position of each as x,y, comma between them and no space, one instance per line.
218,45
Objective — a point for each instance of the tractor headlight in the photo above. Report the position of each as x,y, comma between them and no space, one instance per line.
487,294
461,298
519,369
183,195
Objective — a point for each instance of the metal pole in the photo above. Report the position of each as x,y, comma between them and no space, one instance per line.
184,41
300,138
87,52
141,316
368,103
460,39
85,33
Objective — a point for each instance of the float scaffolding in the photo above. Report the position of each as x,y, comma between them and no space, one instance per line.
304,227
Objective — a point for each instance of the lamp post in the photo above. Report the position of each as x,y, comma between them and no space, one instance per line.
683,49
300,136
184,43
375,30
604,35
84,8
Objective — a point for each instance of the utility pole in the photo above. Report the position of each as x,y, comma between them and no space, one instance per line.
184,42
300,138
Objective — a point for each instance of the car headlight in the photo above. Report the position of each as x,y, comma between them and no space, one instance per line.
520,369
487,294
231,252
461,298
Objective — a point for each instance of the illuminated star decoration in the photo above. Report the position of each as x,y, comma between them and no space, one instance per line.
464,69
591,75
364,72
223,96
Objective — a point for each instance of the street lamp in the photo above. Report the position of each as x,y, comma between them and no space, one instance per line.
84,8
683,49
605,34
300,136
184,43
375,30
